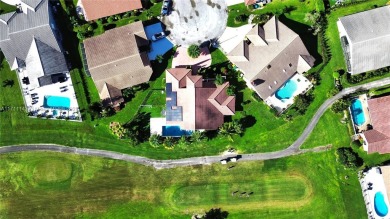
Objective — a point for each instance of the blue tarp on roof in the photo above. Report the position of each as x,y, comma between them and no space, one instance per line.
159,47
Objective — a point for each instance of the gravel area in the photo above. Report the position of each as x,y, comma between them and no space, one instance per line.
196,21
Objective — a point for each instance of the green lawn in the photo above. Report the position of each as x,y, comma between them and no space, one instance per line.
5,8
298,10
263,131
47,184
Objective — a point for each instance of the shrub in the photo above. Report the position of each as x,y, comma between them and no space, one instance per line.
118,130
349,158
193,51
241,18
261,19
219,79
108,111
302,102
110,19
197,136
155,141
231,90
95,109
169,143
340,105
333,92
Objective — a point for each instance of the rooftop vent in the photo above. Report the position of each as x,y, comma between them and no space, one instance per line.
268,66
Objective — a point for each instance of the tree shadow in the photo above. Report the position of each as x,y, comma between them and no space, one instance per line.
8,83
159,68
248,121
139,126
109,26
309,40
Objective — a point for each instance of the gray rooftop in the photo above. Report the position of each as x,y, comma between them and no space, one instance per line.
369,39
271,55
367,25
17,31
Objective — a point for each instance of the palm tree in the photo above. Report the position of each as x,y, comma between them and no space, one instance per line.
155,141
169,143
229,129
193,51
197,136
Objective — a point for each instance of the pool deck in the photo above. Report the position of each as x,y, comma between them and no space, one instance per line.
156,125
380,183
363,127
303,85
64,89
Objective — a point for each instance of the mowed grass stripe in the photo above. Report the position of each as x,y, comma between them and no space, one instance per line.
290,189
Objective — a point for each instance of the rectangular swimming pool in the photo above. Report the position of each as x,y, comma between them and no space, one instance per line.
174,131
357,112
56,102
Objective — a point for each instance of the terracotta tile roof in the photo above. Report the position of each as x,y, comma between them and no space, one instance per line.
250,2
179,73
221,100
209,103
378,138
114,57
207,116
95,9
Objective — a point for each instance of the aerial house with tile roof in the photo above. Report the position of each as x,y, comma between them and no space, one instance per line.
270,56
365,40
31,44
118,59
377,138
193,103
93,10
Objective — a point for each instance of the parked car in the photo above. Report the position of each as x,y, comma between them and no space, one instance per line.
158,36
165,7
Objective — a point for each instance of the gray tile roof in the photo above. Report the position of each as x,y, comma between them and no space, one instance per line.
53,62
17,35
369,39
32,3
271,63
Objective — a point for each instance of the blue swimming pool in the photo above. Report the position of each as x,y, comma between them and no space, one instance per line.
56,102
381,208
357,112
174,131
287,91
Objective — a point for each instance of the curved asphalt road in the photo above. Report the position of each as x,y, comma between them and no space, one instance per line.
162,164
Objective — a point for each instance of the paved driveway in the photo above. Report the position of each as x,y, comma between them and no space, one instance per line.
159,47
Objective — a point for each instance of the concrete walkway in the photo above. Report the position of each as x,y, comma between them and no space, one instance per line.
294,149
